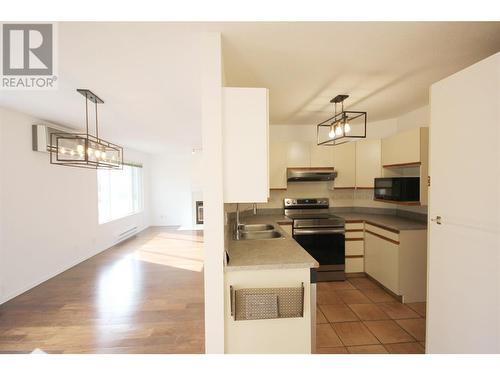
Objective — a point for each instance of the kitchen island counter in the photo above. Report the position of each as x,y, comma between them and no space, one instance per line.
274,253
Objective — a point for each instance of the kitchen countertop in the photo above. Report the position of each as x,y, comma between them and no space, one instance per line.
391,221
285,252
276,253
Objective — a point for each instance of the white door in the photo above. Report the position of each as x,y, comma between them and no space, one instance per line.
463,314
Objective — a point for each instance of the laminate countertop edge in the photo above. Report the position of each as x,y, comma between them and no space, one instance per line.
272,254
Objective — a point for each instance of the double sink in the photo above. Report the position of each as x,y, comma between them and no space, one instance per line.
257,232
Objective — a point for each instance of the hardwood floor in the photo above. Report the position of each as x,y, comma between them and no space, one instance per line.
144,295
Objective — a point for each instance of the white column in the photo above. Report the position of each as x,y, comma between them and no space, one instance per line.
213,206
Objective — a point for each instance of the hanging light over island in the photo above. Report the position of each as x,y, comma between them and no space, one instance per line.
343,127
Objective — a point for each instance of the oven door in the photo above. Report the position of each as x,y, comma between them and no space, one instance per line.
327,246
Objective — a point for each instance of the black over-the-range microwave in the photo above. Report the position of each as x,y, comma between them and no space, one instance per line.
401,189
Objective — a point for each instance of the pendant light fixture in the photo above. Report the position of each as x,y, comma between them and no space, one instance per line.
343,127
84,150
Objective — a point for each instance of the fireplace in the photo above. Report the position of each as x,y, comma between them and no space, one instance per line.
199,212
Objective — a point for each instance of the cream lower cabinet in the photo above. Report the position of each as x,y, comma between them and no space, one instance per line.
398,261
354,247
381,261
273,335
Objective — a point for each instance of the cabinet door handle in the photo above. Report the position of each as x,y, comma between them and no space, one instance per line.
437,220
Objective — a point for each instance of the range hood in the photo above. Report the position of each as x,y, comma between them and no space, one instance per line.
310,174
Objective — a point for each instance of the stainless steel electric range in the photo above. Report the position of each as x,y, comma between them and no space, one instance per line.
320,233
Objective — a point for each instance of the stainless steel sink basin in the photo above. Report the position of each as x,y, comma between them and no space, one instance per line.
260,235
255,227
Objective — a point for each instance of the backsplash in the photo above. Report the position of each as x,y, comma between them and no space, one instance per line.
338,198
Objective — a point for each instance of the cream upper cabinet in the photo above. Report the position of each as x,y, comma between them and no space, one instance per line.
403,148
298,154
245,145
368,162
344,162
321,156
407,154
277,165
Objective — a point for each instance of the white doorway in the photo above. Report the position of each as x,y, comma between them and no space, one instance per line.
463,313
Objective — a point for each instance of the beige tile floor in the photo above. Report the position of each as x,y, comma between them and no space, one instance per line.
357,316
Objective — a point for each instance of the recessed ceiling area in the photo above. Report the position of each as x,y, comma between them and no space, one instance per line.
385,67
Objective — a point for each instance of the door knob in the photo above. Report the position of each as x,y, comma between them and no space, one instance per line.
437,219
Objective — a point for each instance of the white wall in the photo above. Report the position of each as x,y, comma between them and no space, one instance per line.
374,129
213,204
175,179
307,133
417,118
48,216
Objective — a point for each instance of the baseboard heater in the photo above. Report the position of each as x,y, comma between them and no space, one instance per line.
128,233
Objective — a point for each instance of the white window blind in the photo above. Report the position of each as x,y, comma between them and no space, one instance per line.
120,192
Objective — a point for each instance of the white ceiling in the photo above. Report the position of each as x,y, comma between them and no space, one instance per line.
149,73
385,67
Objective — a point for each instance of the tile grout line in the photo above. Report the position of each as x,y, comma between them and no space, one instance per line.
404,329
411,308
385,320
340,338
360,320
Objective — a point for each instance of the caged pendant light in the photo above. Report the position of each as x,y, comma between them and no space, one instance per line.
84,150
343,127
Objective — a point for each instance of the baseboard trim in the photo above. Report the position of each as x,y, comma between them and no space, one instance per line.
63,269
398,297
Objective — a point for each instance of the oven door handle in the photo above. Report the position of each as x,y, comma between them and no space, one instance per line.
319,231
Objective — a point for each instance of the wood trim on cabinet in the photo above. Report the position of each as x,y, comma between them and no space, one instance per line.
402,165
354,221
354,230
284,222
354,239
278,188
344,188
382,237
312,168
365,187
383,227
354,256
412,203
